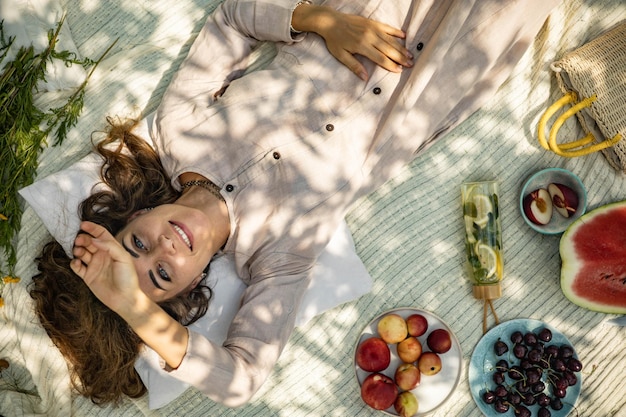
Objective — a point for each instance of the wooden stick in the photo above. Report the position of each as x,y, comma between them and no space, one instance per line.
493,311
485,317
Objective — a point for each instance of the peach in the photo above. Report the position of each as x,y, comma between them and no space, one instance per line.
409,349
406,404
407,376
439,341
379,391
429,363
392,328
373,355
416,324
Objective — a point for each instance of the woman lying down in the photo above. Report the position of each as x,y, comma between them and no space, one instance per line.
262,167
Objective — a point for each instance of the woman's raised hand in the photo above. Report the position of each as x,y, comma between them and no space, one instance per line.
346,35
105,266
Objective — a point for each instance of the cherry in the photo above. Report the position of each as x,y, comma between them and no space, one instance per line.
489,397
543,400
522,411
560,393
522,387
529,399
516,373
560,383
501,406
566,352
519,350
556,404
534,356
558,365
530,339
517,337
538,387
545,335
552,351
514,398
574,365
544,412
502,365
533,375
571,378
500,348
501,391
498,378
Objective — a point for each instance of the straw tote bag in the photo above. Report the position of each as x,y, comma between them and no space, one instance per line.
593,81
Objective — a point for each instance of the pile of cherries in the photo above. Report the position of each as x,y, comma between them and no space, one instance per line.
535,372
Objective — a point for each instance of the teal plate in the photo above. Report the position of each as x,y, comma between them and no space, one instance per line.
484,359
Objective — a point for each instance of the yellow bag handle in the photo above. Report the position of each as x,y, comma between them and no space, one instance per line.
576,148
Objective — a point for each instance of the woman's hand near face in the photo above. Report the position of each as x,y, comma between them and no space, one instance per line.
347,35
105,266
109,272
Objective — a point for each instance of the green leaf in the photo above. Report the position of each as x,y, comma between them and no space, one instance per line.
21,136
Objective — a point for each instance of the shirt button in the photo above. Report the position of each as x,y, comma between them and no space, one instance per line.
419,46
276,155
330,127
229,188
376,90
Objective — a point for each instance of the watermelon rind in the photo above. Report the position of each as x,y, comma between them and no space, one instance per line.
571,264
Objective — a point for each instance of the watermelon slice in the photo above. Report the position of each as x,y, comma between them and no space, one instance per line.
593,256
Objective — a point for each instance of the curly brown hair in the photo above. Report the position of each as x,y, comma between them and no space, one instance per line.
99,345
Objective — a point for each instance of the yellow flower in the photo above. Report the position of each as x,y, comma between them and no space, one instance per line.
3,217
10,280
1,302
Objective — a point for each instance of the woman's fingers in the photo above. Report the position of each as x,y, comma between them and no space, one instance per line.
93,248
94,229
384,48
353,64
78,267
347,35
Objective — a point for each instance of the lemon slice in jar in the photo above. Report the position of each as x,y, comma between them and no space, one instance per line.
483,208
489,259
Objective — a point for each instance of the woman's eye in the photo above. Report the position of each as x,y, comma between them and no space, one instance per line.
163,273
138,243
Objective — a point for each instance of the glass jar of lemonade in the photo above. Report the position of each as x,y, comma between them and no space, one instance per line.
483,237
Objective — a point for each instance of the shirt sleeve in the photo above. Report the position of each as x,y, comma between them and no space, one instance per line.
221,51
232,373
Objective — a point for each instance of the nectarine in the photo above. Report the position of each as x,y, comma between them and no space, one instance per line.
409,349
429,363
373,355
392,328
379,391
416,324
407,376
406,404
439,341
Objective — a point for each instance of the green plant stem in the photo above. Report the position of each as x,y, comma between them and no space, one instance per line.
24,128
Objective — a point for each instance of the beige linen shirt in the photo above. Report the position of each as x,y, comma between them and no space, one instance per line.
294,144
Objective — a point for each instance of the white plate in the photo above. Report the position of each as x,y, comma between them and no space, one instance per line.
433,390
484,361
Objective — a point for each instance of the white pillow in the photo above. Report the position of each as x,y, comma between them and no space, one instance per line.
338,277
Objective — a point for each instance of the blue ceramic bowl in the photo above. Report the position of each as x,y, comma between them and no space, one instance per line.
542,179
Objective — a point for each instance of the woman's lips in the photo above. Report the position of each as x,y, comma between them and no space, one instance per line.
184,234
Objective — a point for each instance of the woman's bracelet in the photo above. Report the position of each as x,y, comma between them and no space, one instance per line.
293,31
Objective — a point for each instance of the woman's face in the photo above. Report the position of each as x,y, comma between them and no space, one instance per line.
170,246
